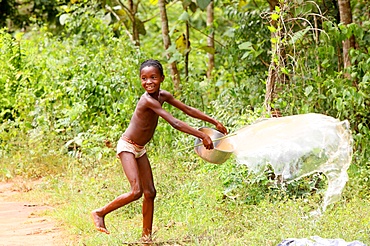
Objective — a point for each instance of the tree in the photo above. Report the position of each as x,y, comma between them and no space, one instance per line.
275,76
167,43
8,12
186,40
22,14
346,18
210,39
183,41
127,15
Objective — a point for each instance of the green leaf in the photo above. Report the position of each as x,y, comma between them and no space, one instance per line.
366,78
308,90
208,49
325,63
284,70
245,46
186,3
203,4
245,55
339,104
302,9
360,126
184,16
298,35
274,16
272,29
140,27
107,19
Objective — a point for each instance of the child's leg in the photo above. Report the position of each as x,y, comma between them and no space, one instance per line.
130,167
149,191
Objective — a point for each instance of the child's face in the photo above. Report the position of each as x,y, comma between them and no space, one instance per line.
151,79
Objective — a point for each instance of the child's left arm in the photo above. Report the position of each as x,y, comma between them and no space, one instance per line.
193,112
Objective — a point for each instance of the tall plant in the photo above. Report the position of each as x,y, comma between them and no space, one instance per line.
312,45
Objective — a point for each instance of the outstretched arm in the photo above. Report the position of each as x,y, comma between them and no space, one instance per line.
178,124
193,112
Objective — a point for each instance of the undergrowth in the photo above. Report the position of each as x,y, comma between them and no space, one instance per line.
197,203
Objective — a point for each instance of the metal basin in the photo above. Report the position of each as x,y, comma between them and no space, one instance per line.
222,148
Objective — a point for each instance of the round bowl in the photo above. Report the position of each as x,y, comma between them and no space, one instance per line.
222,150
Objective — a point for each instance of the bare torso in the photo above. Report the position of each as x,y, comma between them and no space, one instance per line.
144,120
149,108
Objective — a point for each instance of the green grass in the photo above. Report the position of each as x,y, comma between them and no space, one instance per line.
190,207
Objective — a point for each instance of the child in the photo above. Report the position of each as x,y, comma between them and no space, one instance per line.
131,146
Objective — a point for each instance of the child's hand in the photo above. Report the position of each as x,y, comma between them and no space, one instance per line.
221,128
207,142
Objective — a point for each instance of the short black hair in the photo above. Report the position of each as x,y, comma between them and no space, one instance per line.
152,63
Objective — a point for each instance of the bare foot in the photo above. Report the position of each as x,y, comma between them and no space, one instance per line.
146,239
99,222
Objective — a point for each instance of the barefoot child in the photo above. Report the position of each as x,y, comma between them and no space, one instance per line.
131,146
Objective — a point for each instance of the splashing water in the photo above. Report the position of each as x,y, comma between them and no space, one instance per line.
297,146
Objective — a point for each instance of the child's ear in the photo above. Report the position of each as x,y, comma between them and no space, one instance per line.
163,77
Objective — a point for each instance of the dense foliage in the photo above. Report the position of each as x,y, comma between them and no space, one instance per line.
67,89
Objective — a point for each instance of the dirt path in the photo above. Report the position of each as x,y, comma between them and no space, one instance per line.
22,224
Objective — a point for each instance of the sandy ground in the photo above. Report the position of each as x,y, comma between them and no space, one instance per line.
22,223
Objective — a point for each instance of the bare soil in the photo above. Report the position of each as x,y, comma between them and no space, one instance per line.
23,223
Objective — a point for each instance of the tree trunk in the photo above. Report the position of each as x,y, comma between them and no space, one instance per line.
272,72
131,11
187,51
276,78
210,39
135,31
167,43
346,18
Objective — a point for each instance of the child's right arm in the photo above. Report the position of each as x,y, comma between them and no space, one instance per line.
178,124
193,112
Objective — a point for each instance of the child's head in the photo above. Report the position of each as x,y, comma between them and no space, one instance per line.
151,76
152,63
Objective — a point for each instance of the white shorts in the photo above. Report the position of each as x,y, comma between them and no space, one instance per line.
125,146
